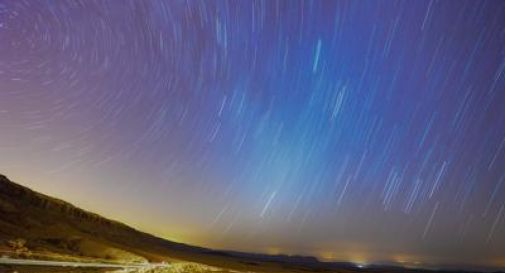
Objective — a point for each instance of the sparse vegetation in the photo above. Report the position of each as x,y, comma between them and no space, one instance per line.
50,229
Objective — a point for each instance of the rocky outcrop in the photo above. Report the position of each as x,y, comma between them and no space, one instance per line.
27,198
51,224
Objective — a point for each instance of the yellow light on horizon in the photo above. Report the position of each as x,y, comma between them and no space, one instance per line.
326,256
274,251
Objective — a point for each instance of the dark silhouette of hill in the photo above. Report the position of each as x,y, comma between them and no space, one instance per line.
37,226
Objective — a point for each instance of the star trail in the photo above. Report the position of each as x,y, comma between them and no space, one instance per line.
362,131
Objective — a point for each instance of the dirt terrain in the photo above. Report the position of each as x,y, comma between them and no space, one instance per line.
34,226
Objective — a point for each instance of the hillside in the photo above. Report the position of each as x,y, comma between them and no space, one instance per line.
33,225
37,226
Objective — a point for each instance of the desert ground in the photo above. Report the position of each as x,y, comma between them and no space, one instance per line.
40,234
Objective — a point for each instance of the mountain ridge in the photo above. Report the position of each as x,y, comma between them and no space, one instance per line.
35,225
44,224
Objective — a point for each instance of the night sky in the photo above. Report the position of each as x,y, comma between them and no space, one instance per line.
362,131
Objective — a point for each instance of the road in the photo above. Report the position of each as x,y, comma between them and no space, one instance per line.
11,261
177,267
